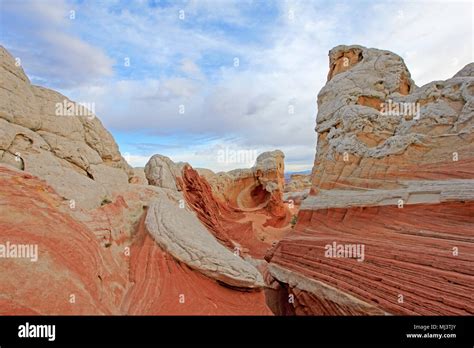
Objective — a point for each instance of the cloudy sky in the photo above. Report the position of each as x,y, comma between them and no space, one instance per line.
195,80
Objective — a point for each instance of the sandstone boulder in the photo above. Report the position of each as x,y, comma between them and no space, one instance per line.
162,172
48,135
180,233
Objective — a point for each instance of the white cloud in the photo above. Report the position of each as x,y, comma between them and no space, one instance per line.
190,68
39,32
249,103
435,38
135,160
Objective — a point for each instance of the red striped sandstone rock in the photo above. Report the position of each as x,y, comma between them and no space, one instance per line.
242,229
253,232
83,218
400,185
408,252
161,285
71,262
254,189
84,253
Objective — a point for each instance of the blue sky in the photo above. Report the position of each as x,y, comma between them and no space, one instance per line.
189,62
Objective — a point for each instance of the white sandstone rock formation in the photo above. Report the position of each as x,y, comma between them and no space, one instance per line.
180,233
73,152
162,172
267,172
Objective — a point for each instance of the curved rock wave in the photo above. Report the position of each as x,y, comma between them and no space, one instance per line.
180,233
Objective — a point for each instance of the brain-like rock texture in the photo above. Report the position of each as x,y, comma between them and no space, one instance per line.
388,227
375,126
46,134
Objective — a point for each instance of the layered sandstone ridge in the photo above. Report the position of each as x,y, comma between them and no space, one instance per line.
409,192
66,189
46,134
246,232
393,173
77,272
256,189
253,187
181,233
